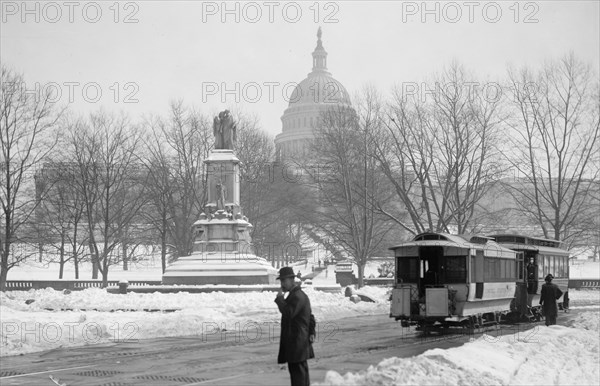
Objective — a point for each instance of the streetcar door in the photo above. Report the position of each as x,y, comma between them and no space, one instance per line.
521,271
431,260
532,272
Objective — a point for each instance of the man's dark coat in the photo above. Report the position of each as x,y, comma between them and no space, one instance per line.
297,324
550,292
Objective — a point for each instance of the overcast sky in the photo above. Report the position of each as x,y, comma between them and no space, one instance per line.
151,52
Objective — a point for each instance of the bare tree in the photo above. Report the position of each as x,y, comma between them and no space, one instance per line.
256,151
111,182
59,218
26,137
438,153
157,210
349,187
176,151
554,146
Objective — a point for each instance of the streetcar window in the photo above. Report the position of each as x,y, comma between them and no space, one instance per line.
561,266
408,269
501,269
456,269
491,268
510,239
430,237
519,273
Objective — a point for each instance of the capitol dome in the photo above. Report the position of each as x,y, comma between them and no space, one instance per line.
319,87
312,97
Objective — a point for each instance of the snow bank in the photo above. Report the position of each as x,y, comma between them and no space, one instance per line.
553,355
31,327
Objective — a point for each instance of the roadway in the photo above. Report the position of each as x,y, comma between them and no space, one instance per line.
231,357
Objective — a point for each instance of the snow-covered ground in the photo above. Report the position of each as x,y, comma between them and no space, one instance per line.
555,355
31,327
149,269
584,270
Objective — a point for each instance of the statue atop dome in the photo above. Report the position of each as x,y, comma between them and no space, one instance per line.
319,54
224,130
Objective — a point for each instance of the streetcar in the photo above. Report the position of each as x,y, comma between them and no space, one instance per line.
539,258
468,281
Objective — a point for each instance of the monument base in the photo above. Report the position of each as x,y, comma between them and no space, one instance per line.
229,268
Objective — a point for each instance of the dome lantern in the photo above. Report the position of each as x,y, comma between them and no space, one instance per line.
319,55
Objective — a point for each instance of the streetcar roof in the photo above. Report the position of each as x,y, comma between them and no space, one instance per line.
536,248
527,242
457,241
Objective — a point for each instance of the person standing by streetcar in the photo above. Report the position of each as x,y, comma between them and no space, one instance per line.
548,296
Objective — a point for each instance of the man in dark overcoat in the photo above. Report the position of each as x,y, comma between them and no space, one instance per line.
297,328
550,293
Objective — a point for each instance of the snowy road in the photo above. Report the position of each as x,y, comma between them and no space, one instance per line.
230,358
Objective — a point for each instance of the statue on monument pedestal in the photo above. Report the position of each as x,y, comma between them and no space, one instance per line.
221,195
224,130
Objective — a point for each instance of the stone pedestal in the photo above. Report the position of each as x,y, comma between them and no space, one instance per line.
222,252
223,181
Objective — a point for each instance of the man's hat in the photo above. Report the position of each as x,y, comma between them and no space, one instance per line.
285,272
549,277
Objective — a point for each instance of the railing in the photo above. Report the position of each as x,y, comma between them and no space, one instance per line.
584,283
59,285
